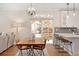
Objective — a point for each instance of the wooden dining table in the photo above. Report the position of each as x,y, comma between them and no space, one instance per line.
30,42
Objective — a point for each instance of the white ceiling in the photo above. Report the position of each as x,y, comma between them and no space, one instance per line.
38,6
18,10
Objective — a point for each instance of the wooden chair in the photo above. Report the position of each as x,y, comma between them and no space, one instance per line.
21,48
40,48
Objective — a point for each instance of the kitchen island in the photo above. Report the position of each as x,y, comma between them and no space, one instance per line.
74,38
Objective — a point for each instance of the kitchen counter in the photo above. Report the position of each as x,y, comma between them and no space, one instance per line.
68,35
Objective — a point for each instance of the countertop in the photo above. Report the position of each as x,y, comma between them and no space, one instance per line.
68,34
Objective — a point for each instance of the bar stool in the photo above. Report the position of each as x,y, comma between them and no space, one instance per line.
57,41
67,43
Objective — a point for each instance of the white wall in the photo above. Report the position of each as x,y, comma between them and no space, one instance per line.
4,22
71,21
6,17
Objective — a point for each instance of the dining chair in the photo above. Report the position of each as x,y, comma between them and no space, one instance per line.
40,48
21,48
27,48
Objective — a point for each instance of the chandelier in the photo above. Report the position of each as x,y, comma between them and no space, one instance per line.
31,11
67,10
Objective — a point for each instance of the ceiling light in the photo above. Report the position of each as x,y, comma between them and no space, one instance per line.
74,14
67,16
67,10
74,9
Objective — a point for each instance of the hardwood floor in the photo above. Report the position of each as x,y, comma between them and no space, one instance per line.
10,51
52,51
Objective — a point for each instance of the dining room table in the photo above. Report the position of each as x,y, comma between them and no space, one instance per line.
31,43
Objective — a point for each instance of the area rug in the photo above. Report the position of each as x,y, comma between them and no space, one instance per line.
24,52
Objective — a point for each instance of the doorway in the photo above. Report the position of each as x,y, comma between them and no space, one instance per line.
42,29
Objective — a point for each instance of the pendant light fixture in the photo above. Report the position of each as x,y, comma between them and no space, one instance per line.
31,11
67,10
74,9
